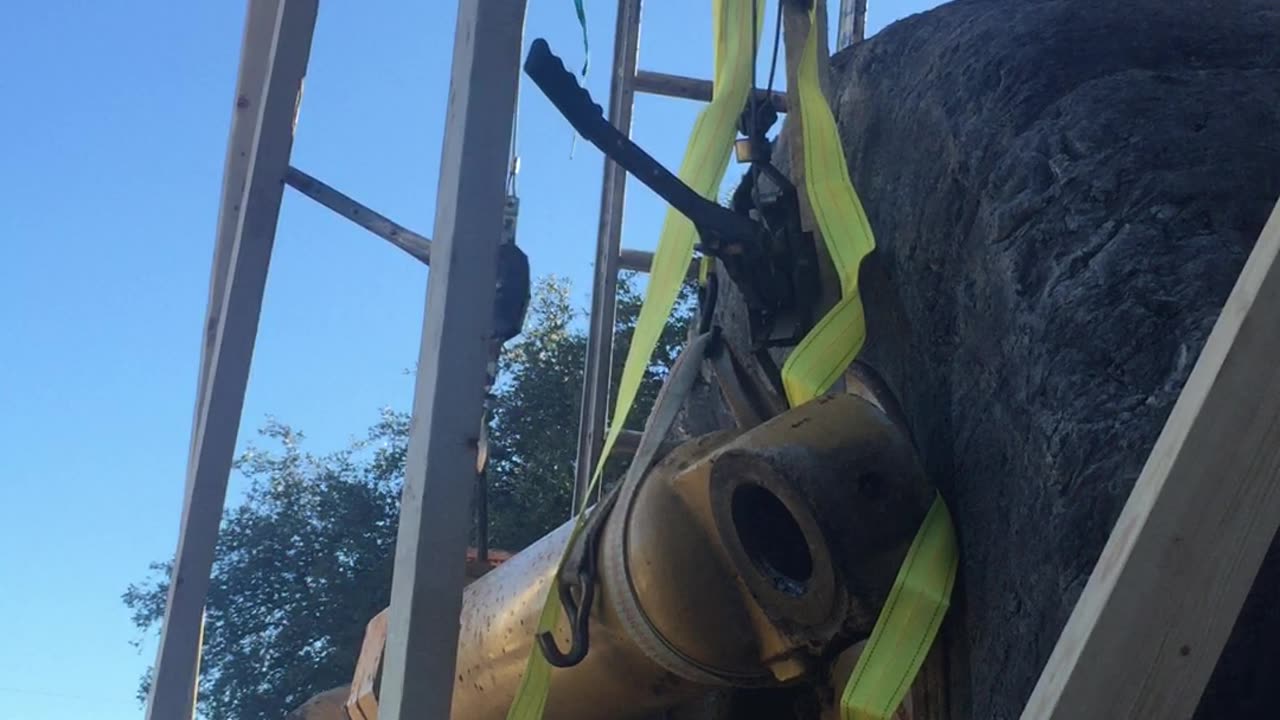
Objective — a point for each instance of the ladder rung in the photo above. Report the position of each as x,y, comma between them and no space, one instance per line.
627,443
642,260
656,83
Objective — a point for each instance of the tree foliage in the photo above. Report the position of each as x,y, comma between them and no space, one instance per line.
305,559
535,409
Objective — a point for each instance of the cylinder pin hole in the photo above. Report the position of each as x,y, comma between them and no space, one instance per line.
772,539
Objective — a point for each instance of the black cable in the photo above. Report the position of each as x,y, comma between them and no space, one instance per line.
752,100
709,296
755,39
777,36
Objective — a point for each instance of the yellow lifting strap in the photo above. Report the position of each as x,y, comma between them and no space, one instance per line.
705,160
921,593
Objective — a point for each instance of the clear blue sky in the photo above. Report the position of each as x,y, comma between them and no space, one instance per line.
115,123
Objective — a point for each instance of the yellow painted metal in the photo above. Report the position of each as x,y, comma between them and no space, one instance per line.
699,583
688,597
770,526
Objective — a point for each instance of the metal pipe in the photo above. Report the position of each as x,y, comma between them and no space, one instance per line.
604,291
500,613
742,559
792,533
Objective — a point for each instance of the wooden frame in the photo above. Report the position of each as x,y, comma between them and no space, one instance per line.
426,589
1161,602
427,593
277,44
852,27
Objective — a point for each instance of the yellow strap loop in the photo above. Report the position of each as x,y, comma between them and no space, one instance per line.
921,593
908,623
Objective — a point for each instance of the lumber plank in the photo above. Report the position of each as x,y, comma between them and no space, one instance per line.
1149,626
431,545
277,44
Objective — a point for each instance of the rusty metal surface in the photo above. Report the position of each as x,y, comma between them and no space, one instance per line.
742,558
702,605
500,613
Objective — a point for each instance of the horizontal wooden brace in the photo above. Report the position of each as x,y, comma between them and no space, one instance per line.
376,223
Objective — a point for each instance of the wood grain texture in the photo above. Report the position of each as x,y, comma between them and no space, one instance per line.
426,588
1156,612
795,31
277,45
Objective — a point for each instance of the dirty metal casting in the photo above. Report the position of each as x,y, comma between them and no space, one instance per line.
744,558
792,534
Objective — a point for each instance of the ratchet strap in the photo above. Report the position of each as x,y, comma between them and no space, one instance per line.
705,161
921,593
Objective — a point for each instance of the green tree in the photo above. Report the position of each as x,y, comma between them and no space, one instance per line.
305,559
535,408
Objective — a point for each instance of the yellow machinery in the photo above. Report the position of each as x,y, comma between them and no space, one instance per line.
741,559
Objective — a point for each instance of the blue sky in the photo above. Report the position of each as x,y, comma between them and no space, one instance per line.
115,126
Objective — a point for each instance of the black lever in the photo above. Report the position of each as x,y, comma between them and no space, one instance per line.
717,225
769,262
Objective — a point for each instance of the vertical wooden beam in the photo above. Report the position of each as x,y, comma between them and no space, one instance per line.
1157,610
824,51
853,23
604,292
255,49
426,592
277,44
795,31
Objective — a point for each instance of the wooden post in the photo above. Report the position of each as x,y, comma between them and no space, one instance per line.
426,591
795,31
277,43
1157,610
853,23
604,291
